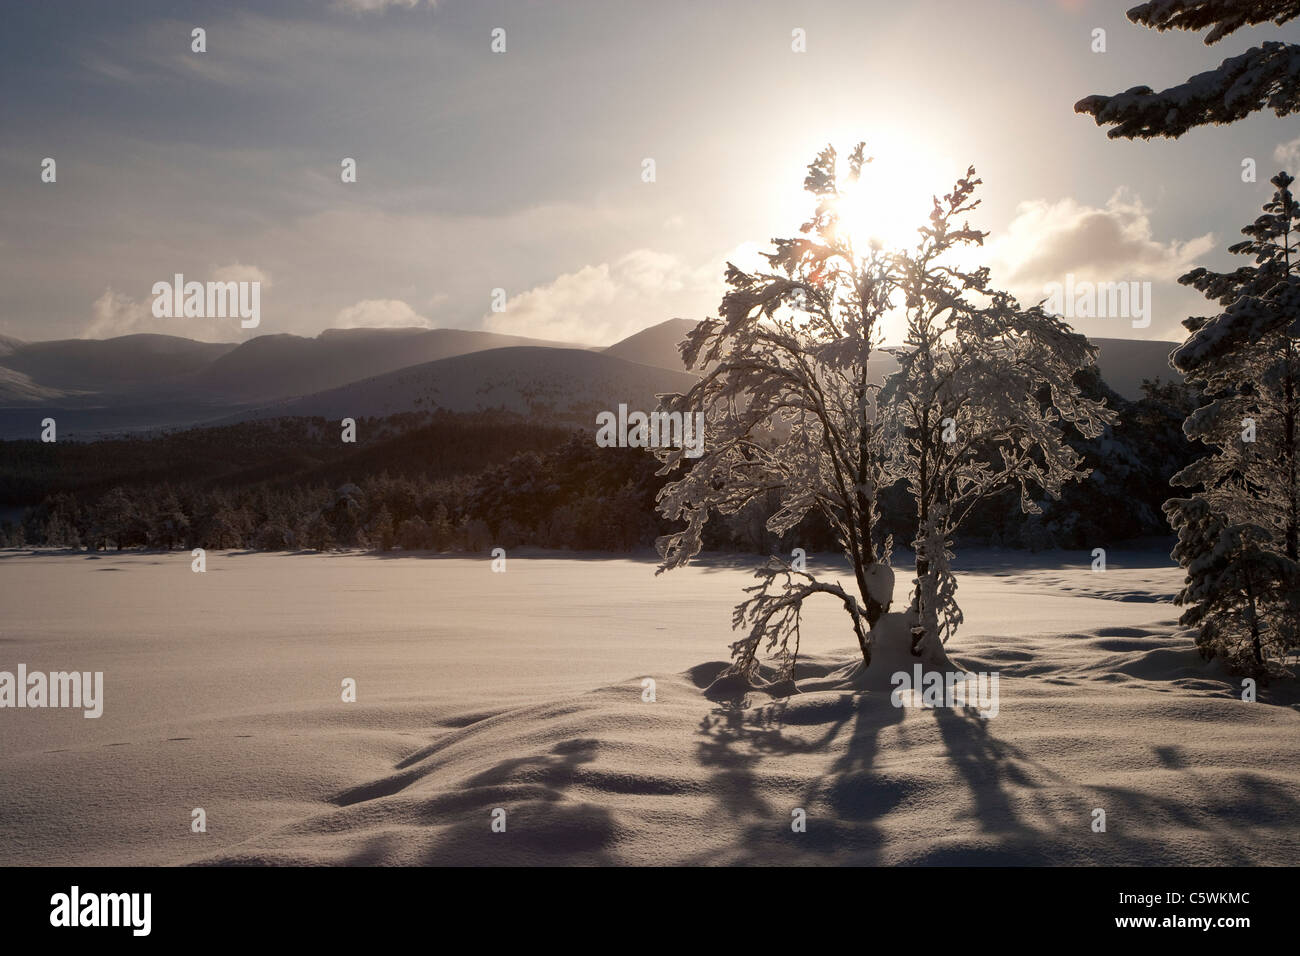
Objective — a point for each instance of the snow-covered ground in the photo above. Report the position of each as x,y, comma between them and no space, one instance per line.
523,691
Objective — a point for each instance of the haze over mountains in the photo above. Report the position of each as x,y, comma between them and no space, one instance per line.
548,384
132,383
73,367
95,387
264,368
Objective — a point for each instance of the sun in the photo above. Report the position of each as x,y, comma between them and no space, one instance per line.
892,198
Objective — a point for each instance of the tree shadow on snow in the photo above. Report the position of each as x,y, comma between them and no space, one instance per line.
1005,808
736,739
544,823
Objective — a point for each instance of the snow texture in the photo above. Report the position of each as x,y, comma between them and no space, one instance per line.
480,690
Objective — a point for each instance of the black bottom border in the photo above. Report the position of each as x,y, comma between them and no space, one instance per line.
946,905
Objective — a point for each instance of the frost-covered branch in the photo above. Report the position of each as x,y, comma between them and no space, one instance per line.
1263,77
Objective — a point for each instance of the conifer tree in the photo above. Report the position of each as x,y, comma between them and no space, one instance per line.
1263,77
382,532
1240,529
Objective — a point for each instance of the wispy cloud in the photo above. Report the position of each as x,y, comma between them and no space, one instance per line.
1288,154
372,6
600,304
116,314
380,314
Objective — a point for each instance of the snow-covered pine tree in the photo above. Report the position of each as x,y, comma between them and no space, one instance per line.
1264,77
788,407
1243,596
977,405
1246,362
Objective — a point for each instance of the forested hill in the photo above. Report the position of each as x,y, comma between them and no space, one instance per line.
469,481
282,452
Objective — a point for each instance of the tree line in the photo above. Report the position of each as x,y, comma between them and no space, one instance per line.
290,485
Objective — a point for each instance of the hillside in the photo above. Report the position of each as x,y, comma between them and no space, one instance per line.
1123,363
8,344
272,367
144,368
111,365
656,345
548,384
135,383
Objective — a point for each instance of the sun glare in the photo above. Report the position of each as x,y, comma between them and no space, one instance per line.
893,197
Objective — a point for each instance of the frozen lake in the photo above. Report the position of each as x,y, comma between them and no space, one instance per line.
223,689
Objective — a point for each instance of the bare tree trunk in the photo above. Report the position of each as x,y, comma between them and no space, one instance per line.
863,644
923,518
1293,520
1255,646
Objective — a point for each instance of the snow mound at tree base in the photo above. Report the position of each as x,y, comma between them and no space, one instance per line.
891,653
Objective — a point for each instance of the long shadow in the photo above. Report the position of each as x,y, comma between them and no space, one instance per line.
735,740
639,555
1214,828
544,825
987,765
1006,809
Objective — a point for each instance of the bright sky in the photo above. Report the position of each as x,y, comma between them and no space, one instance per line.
522,170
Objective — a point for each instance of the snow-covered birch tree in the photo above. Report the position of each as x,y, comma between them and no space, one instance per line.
1263,77
789,407
1239,532
978,404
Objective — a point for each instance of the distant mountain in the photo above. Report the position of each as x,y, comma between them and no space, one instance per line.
272,367
77,366
138,382
547,384
656,345
1123,363
133,383
17,387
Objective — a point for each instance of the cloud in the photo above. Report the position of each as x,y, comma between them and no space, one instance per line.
600,304
237,272
369,6
1046,240
380,314
1288,154
116,314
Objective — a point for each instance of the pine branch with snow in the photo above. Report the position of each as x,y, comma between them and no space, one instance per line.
1241,594
1263,77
